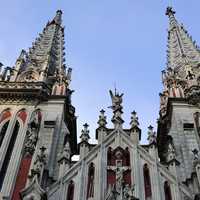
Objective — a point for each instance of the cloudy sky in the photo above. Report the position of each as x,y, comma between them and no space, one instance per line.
108,43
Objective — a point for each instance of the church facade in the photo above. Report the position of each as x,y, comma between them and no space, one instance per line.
38,131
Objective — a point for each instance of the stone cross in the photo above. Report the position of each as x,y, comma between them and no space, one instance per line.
119,170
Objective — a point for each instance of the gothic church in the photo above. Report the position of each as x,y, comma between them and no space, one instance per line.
38,131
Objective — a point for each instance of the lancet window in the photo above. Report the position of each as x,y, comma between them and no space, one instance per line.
70,191
167,191
90,186
147,182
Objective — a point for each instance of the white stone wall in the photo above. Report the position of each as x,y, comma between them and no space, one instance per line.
139,156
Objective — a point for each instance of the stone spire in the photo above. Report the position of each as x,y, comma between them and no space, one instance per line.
84,145
45,59
85,133
101,130
65,159
183,61
102,119
151,135
117,109
135,130
182,50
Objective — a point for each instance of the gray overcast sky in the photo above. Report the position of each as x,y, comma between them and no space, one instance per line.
107,42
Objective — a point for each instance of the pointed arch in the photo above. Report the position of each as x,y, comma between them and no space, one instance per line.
19,123
4,122
109,156
28,151
167,191
90,184
147,181
127,157
9,152
70,191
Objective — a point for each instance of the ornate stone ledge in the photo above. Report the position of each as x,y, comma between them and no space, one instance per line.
20,91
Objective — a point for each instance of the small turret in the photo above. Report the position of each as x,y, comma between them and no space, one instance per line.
151,135
65,160
153,151
135,130
101,130
84,144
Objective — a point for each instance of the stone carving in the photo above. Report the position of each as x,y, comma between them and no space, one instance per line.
102,119
117,109
39,163
116,101
119,175
171,152
151,135
32,135
128,192
31,141
196,154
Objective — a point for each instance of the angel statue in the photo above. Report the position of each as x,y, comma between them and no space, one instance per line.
116,101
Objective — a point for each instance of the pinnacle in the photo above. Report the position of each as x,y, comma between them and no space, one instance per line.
170,11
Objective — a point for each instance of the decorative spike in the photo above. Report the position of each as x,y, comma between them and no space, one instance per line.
134,120
184,45
85,133
151,135
102,119
47,50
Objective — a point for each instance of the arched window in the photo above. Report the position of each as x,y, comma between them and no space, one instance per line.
70,191
3,132
147,181
127,157
5,116
28,151
167,191
109,156
9,153
90,185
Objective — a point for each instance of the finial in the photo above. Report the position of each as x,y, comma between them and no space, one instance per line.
151,135
58,18
85,133
134,120
170,11
102,119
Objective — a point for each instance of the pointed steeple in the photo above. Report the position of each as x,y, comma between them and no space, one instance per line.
58,18
45,59
182,50
183,61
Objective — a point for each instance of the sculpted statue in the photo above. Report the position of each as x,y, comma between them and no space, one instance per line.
116,101
31,141
40,161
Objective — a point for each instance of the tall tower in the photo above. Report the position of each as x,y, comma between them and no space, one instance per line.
178,125
37,119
